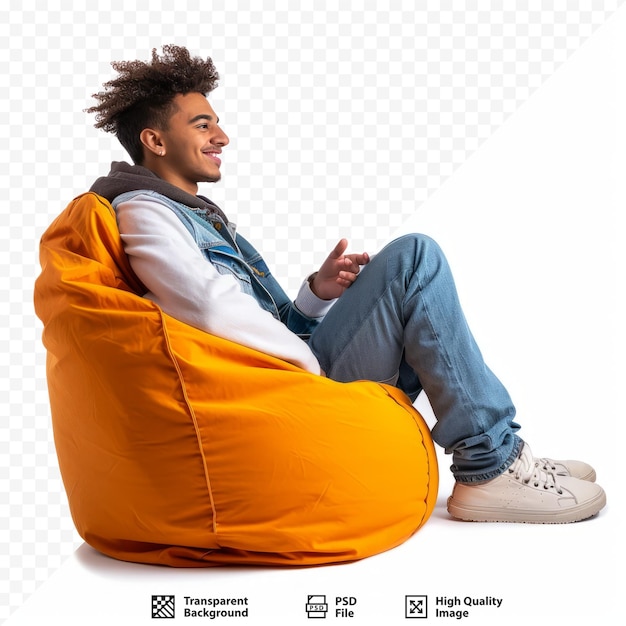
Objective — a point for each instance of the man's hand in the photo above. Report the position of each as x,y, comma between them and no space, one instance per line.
338,272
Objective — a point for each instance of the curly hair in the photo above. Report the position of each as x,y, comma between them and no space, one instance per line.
142,96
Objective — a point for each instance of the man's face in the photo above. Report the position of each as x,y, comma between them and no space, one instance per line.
192,143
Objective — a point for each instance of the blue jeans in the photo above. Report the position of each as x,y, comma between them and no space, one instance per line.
401,323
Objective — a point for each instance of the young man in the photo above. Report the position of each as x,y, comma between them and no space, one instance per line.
394,318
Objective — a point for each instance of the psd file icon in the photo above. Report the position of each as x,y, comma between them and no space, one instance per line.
316,607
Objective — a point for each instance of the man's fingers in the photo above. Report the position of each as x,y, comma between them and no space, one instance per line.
339,249
354,262
346,278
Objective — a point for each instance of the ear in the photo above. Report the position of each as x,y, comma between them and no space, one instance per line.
153,141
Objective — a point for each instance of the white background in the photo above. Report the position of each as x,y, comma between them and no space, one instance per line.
495,127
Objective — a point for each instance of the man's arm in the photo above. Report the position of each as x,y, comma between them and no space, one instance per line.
186,286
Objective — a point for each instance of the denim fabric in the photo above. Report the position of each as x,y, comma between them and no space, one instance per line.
231,254
401,323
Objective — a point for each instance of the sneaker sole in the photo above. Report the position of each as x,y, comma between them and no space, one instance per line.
469,513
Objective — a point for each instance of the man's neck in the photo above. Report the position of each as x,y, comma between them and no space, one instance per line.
164,173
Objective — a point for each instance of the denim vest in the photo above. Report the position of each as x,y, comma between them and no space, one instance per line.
231,254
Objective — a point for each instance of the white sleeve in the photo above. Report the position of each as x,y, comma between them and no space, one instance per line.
309,304
186,286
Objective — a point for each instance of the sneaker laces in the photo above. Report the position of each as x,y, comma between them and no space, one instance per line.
547,464
527,470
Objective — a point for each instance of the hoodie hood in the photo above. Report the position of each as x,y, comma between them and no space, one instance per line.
124,177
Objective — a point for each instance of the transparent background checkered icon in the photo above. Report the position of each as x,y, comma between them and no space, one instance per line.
342,119
164,607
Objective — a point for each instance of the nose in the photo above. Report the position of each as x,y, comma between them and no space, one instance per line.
221,139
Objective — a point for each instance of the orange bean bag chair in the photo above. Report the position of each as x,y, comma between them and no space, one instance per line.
179,448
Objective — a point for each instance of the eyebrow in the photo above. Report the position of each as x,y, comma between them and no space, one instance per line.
203,116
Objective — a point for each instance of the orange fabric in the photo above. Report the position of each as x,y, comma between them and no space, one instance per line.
180,448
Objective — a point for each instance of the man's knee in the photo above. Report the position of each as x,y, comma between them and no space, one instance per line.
418,240
415,248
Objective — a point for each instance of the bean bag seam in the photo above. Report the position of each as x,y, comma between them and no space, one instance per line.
433,478
192,415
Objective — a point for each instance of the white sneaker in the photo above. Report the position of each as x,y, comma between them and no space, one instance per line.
529,491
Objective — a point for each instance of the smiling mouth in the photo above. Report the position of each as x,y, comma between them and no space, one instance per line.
213,156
